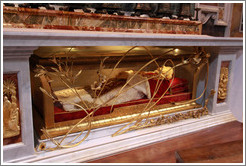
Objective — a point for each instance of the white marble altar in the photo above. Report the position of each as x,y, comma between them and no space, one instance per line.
18,43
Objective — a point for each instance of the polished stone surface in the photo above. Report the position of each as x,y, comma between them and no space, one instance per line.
14,17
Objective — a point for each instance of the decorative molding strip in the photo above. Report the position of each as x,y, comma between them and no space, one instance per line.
230,50
17,52
41,37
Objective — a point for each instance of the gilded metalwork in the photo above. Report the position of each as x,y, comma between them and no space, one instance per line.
166,119
140,116
223,80
197,113
123,115
11,126
42,146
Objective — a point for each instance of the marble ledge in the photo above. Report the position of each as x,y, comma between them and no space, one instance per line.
47,37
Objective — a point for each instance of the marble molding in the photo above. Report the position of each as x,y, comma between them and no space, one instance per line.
13,37
48,19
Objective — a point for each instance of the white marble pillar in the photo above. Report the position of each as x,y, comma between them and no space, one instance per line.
16,60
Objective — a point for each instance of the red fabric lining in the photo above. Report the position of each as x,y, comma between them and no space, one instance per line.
178,85
61,115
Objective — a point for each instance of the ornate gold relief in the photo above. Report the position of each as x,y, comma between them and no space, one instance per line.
223,80
197,113
11,126
166,120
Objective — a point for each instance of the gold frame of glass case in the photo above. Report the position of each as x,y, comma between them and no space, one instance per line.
44,117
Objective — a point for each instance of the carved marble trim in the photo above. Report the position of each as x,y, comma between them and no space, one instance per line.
18,52
35,37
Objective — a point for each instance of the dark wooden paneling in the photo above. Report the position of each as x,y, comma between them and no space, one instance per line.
164,152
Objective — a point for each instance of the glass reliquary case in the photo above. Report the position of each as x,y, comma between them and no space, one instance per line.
77,89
